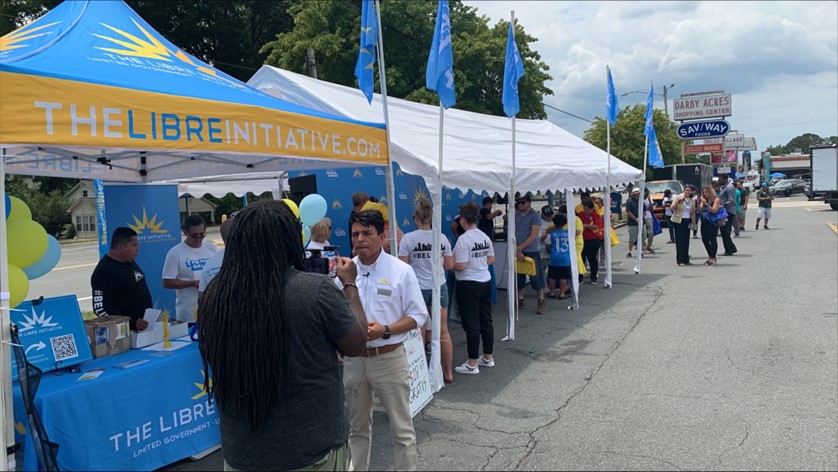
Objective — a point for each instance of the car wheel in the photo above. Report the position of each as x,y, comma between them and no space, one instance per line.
788,193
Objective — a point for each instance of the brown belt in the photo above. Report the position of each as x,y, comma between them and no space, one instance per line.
374,351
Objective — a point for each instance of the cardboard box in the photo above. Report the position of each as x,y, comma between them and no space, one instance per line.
178,329
108,335
145,338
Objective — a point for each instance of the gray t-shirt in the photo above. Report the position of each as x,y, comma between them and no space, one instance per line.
523,228
305,425
727,196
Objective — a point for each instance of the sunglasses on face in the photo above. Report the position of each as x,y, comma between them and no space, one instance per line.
197,235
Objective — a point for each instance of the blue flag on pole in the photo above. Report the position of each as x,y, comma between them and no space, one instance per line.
365,66
655,154
612,108
439,75
513,70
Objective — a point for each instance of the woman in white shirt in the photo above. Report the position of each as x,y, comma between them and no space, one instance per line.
415,249
472,255
682,220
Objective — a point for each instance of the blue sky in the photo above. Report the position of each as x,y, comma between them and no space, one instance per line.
779,60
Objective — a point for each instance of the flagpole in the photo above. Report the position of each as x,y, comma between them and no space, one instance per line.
511,244
391,198
607,222
641,210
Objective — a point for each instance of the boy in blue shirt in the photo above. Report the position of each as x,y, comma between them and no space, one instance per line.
559,265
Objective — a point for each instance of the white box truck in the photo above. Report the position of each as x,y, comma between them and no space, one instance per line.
825,174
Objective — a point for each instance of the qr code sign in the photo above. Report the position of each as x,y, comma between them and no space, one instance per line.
64,347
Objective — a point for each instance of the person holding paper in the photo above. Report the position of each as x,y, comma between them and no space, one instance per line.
119,285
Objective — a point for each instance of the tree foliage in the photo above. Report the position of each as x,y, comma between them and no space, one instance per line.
804,143
16,13
45,197
332,30
628,140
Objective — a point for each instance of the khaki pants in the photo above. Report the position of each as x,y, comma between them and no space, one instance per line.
336,459
386,376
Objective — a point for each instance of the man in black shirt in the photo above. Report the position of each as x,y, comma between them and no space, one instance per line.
119,285
486,220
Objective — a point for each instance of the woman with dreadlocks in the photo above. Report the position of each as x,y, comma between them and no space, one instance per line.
268,334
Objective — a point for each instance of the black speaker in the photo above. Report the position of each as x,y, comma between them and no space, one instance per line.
302,186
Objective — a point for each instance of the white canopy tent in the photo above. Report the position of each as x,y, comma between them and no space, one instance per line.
477,146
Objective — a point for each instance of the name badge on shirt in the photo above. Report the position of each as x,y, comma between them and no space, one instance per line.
383,289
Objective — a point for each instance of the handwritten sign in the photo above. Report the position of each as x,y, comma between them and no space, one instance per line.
417,368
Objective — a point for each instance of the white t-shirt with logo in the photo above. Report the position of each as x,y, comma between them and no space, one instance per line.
417,245
475,248
211,268
186,263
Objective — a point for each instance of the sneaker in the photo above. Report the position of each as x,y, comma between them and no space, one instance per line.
593,282
481,361
520,303
628,255
765,227
467,369
756,228
541,308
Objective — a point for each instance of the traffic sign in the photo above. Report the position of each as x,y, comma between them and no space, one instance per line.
703,129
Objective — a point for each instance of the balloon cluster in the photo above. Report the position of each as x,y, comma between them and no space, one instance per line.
32,252
311,210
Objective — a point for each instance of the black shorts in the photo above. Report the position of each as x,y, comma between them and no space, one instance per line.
559,272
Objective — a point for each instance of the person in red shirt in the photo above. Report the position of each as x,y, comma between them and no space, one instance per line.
591,234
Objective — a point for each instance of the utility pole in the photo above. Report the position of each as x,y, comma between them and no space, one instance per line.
665,101
311,65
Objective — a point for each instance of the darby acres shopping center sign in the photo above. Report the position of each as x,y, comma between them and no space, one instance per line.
698,106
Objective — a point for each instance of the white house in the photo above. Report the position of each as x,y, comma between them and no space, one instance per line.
82,209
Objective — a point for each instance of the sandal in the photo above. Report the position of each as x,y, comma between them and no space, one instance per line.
552,295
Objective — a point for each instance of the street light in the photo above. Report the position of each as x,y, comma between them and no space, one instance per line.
665,102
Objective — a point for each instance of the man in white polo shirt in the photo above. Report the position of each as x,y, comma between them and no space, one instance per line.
394,305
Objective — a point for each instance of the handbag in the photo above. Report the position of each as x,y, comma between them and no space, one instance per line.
527,266
656,226
720,217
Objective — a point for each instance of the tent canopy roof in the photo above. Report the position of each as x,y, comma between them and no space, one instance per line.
89,86
477,147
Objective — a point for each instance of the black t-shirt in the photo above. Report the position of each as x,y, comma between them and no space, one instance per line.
486,225
632,206
119,289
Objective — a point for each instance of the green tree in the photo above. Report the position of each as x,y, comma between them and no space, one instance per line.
804,142
45,197
332,30
17,13
628,140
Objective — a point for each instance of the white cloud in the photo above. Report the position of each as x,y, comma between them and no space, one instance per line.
779,60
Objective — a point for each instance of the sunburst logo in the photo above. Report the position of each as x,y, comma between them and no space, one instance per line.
399,171
448,196
405,222
149,48
382,199
200,386
36,321
336,204
152,225
357,173
20,427
14,40
419,196
302,173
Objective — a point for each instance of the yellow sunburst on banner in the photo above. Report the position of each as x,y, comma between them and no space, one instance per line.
419,196
153,225
200,386
13,39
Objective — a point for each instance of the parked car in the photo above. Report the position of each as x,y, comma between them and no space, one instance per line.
787,187
656,189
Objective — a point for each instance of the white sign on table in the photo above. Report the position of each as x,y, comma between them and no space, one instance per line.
417,368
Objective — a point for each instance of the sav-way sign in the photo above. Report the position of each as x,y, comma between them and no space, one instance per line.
703,129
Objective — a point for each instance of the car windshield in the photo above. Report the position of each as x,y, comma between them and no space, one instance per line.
659,187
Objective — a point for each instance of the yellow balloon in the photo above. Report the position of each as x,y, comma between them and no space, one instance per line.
20,210
292,206
27,242
18,286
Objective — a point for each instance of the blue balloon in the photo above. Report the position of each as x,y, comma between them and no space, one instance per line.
8,204
306,235
47,261
312,209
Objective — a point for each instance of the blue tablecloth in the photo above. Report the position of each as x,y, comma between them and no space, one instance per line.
140,418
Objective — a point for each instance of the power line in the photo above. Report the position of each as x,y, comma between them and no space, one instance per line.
567,113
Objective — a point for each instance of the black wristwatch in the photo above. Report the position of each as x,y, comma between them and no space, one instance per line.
387,332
